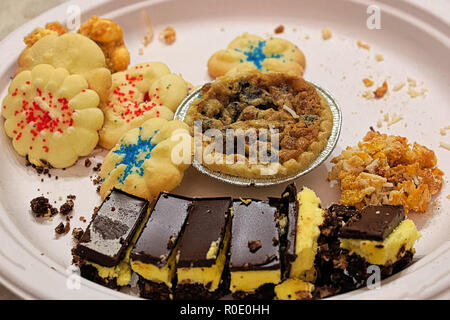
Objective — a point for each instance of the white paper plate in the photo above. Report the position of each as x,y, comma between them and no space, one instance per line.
414,42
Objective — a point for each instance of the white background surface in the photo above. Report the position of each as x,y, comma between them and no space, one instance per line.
14,13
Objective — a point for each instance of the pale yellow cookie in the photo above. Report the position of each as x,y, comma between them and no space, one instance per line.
145,91
250,52
51,116
149,159
75,53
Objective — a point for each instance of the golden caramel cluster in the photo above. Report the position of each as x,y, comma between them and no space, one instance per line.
109,37
384,169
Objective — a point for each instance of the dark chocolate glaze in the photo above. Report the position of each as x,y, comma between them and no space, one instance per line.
206,223
111,230
375,223
163,229
252,222
291,205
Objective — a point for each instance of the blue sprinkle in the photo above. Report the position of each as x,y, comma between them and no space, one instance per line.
257,55
134,157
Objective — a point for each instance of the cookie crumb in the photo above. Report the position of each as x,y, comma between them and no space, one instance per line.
381,91
168,35
279,29
363,45
326,34
367,82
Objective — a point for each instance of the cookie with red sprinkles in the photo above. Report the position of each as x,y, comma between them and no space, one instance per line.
51,116
144,91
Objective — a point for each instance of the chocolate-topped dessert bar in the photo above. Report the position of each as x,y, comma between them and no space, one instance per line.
255,266
352,240
203,249
380,235
103,251
153,256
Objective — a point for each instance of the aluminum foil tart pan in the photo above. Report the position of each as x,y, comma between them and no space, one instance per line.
180,114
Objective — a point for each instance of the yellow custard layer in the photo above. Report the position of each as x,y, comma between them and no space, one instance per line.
294,289
154,273
121,272
209,277
310,217
249,281
386,252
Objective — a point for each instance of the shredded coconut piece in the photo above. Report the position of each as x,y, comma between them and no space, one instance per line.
444,145
368,95
292,112
399,86
379,57
148,37
395,118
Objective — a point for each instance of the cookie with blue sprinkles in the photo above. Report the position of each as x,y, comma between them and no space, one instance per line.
149,159
250,52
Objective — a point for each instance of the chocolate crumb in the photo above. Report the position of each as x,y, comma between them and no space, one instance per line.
71,197
97,180
77,233
66,207
275,241
97,167
87,163
254,245
62,229
42,208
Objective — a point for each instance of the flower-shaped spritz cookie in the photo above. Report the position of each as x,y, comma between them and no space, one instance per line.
249,52
148,159
51,116
145,91
75,53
